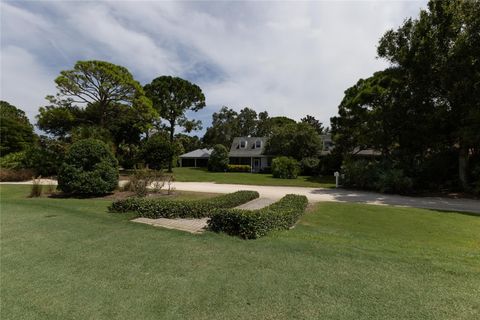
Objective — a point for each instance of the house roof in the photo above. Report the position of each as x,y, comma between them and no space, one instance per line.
250,149
199,153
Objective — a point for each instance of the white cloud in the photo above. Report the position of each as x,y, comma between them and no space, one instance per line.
293,58
24,81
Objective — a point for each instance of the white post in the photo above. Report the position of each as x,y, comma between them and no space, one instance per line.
195,162
337,176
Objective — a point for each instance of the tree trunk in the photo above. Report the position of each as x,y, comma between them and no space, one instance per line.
172,131
463,167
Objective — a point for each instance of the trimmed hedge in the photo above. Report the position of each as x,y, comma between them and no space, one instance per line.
239,168
256,223
166,208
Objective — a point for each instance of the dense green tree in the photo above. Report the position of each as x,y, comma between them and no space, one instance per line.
158,151
218,160
224,128
46,156
438,52
172,97
297,140
264,127
228,124
189,143
59,117
16,132
315,123
98,100
369,116
247,122
102,84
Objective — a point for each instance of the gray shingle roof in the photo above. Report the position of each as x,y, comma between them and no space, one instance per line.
250,149
199,153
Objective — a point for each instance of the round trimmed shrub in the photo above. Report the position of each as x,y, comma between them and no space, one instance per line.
285,168
89,169
218,160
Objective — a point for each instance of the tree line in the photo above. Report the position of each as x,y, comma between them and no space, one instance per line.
423,111
101,100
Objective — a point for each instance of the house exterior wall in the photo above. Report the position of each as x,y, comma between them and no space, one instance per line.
263,162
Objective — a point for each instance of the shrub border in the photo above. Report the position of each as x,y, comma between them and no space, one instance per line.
171,208
252,224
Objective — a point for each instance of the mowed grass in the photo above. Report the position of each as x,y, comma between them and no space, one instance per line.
70,259
203,175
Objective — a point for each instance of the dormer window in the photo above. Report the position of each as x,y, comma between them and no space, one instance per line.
243,144
258,144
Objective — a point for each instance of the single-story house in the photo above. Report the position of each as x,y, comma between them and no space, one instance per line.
195,158
244,150
249,151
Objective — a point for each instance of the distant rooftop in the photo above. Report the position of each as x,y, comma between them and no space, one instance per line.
199,153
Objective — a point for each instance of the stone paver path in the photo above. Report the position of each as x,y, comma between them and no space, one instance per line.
199,225
189,225
256,204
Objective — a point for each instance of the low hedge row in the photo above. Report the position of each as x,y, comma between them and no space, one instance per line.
239,168
166,208
254,224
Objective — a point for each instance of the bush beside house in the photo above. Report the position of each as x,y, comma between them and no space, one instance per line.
218,160
285,168
239,168
89,169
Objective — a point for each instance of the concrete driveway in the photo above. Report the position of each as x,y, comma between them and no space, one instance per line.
339,195
321,194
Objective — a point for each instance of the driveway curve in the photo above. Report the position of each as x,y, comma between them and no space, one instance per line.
322,194
339,195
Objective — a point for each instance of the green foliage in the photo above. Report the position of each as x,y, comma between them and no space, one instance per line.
188,143
46,156
312,121
89,169
239,168
393,181
101,83
310,166
59,118
373,175
228,124
285,168
426,103
299,140
113,106
15,160
248,224
172,97
218,160
362,174
16,132
157,208
157,151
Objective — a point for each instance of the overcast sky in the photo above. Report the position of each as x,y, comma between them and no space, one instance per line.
289,58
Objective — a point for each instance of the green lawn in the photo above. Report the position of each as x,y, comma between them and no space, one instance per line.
70,259
202,175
